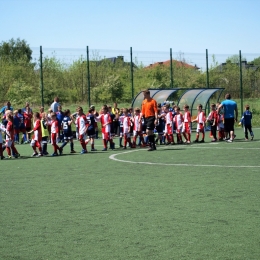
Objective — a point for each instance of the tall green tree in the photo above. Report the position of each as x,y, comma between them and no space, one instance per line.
15,50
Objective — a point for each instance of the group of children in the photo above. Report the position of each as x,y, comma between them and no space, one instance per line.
47,127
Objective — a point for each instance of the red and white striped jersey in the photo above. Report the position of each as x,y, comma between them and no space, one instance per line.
37,134
81,124
169,118
201,118
105,120
126,125
137,124
54,127
187,117
178,119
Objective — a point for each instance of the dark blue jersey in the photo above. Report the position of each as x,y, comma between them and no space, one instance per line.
247,117
21,116
16,122
66,125
59,116
91,121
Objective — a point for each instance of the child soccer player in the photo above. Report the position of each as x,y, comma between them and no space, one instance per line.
91,127
67,131
59,116
17,124
247,122
178,119
37,135
213,119
10,137
82,128
45,132
22,126
105,120
54,134
186,130
2,130
169,125
200,119
28,122
126,128
137,127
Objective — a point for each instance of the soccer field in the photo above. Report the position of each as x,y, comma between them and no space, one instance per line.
198,201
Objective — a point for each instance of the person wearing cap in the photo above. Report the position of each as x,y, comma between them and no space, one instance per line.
150,114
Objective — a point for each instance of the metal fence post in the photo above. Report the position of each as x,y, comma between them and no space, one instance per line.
241,81
88,77
171,72
41,76
132,73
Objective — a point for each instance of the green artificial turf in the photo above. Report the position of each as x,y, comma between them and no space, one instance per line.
186,204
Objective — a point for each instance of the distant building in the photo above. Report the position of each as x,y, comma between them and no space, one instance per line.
114,60
245,65
177,63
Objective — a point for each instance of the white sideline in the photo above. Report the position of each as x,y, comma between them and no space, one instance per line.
113,157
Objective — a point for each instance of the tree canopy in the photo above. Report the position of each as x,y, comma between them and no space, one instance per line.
15,50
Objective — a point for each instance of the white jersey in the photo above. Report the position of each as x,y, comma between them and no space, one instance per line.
105,120
137,124
126,125
169,118
2,130
81,124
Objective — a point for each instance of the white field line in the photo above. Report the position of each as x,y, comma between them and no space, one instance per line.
113,157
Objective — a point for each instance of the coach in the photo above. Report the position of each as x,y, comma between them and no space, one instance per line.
150,114
230,110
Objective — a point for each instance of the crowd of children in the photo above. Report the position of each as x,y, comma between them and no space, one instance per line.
57,127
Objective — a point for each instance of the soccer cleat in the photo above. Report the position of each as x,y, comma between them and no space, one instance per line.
93,149
39,155
83,151
124,147
72,151
2,157
196,141
246,139
104,149
252,138
8,157
202,141
213,140
46,153
230,141
151,149
54,154
34,154
60,151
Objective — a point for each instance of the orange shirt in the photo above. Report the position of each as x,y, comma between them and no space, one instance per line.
149,108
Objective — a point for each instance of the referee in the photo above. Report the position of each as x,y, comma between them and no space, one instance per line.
150,114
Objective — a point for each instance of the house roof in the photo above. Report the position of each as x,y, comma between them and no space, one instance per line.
176,62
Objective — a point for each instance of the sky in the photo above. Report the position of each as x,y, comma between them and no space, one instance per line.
150,27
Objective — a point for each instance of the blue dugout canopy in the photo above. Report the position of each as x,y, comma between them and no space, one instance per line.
192,97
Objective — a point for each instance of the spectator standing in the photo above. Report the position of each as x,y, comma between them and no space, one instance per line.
6,107
55,104
230,116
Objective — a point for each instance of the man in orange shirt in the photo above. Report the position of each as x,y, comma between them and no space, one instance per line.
150,114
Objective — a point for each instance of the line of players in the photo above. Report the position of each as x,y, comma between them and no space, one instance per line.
170,121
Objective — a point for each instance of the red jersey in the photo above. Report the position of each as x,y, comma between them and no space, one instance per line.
10,131
27,119
37,135
54,127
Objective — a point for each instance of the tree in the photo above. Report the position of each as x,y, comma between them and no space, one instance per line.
15,50
235,59
256,61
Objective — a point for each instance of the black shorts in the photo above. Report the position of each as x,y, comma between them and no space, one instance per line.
149,121
91,133
68,136
229,124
